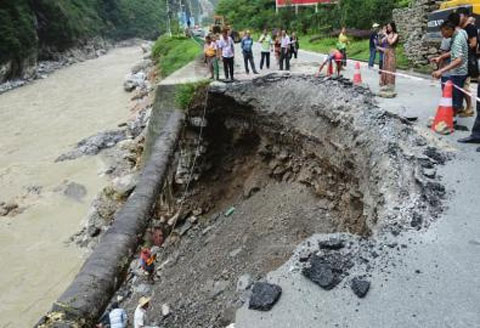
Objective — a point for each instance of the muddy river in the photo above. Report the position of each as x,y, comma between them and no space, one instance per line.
39,122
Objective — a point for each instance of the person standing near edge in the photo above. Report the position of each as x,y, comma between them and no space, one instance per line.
471,29
373,45
294,45
387,80
247,50
278,47
267,47
210,51
284,52
343,42
227,47
458,55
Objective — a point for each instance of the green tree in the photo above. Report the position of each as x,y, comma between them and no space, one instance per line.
351,13
17,29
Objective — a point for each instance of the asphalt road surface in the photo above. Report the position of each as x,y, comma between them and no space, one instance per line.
436,280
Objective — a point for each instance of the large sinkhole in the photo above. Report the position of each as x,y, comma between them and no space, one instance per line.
278,160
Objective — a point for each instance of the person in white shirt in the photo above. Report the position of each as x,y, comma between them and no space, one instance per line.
140,316
118,317
284,52
227,48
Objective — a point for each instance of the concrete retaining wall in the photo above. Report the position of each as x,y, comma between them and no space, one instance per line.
87,296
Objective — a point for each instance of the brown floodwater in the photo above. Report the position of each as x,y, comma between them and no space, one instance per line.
39,122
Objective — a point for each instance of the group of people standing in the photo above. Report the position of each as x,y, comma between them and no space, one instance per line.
222,48
458,63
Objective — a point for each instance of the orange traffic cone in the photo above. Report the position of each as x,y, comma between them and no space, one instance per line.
330,68
357,76
443,122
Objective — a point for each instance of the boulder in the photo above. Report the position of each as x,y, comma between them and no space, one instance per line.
264,296
74,191
141,66
124,185
94,144
360,286
133,81
325,271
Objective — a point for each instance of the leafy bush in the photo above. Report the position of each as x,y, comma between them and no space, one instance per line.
172,53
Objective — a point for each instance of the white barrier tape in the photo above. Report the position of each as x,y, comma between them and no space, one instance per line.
402,75
470,94
466,92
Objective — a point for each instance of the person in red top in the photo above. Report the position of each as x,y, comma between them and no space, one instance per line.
147,260
334,56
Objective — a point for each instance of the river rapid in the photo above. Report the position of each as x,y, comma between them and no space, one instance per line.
40,122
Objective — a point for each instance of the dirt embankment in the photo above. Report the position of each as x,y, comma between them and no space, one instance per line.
279,159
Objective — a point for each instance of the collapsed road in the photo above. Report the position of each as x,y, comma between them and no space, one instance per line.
281,158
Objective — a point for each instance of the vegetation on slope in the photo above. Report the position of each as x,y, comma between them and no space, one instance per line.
172,53
26,25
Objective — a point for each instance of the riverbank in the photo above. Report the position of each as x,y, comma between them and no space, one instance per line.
33,70
42,120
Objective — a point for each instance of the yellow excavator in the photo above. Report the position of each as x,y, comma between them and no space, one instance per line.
436,18
219,24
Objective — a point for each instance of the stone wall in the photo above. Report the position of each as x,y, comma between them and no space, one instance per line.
412,26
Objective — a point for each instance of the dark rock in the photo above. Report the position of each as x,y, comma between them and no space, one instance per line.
264,296
392,245
322,273
360,287
416,221
93,231
332,243
434,154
